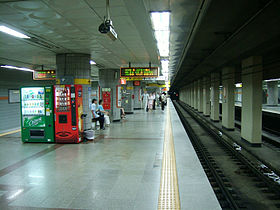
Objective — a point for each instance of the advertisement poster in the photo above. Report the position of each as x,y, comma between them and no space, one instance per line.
33,121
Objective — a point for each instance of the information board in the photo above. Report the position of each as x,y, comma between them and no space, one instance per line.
139,72
13,96
44,75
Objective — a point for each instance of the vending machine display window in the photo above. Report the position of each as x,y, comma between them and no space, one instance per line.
32,101
62,99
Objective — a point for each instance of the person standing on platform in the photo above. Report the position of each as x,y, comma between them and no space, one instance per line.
145,98
163,100
157,99
150,102
95,116
154,102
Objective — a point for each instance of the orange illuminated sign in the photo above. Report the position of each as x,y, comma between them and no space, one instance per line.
123,81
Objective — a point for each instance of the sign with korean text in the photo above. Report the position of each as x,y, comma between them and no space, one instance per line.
44,75
139,72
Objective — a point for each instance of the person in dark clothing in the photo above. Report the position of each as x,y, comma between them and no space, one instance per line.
154,102
101,113
163,100
96,114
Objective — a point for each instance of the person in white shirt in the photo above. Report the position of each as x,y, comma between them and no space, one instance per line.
145,98
150,101
94,108
95,116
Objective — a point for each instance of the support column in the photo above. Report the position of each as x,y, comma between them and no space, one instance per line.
200,96
195,95
183,95
129,102
109,78
143,89
188,95
206,96
228,98
272,92
137,97
74,68
192,95
214,97
251,117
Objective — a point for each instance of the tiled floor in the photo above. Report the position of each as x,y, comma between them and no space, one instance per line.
120,171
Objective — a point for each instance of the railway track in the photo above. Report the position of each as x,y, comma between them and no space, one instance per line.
239,180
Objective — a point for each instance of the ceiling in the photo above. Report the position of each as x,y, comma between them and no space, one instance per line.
227,32
64,26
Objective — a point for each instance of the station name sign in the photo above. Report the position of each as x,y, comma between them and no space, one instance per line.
139,72
44,75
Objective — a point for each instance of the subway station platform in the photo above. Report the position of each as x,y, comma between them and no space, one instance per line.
265,108
126,167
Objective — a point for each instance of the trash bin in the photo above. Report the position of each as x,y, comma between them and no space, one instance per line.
89,134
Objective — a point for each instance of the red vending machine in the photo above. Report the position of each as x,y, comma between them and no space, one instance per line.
68,110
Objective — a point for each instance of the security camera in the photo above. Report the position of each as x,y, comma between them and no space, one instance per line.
108,28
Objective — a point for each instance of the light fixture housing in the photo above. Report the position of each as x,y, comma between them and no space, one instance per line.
12,32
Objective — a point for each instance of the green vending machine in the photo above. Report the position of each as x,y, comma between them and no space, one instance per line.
37,123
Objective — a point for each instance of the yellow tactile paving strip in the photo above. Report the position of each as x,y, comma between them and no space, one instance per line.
10,132
169,192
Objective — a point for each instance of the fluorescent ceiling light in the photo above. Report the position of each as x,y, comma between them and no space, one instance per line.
17,68
271,80
92,62
160,21
238,85
13,32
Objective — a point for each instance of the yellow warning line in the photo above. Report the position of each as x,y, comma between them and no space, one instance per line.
169,191
10,132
